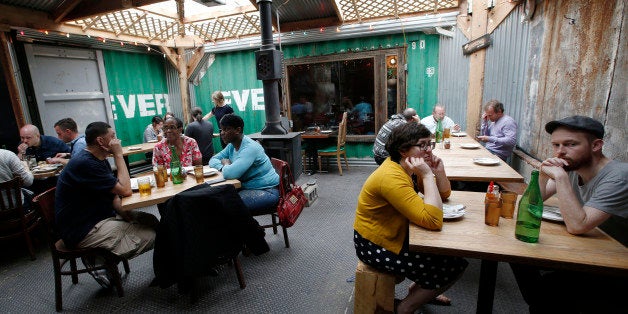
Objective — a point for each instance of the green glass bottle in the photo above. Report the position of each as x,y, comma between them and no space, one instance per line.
175,166
439,131
530,211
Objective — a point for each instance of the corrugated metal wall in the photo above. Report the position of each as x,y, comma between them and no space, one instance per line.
453,74
138,91
506,67
174,90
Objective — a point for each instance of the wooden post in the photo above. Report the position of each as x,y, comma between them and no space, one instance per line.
183,84
9,76
479,23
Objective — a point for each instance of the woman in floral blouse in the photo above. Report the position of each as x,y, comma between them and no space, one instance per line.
186,147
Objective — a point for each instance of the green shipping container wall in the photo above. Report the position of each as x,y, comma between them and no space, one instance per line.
234,73
138,91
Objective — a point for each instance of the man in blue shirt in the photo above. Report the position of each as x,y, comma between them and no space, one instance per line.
67,131
244,159
498,130
41,146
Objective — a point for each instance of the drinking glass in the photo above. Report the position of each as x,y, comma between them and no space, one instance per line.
198,173
159,177
508,204
143,184
446,133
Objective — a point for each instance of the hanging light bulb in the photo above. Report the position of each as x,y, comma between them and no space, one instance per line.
22,33
121,44
46,32
67,35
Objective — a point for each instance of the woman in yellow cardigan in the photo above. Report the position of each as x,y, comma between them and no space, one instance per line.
389,201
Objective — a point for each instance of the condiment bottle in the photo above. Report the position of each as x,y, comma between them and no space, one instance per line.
492,209
175,166
530,211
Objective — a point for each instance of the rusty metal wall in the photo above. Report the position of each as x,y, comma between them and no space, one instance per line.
174,90
579,49
506,67
453,73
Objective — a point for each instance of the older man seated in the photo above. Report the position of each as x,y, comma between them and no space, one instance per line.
41,146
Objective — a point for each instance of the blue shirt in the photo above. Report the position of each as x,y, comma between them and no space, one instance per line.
502,136
363,109
48,148
76,145
83,196
249,164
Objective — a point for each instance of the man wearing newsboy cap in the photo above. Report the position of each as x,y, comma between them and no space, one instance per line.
593,191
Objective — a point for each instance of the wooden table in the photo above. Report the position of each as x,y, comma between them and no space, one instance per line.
160,195
470,237
136,149
459,164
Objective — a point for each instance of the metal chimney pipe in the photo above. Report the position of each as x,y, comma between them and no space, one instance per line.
268,61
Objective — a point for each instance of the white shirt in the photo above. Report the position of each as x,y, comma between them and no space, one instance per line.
430,123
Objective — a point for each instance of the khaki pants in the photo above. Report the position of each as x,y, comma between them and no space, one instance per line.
123,238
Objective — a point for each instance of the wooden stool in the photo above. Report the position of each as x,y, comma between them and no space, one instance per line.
374,290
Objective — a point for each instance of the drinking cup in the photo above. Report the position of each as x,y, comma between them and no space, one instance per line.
164,172
509,199
143,184
159,178
491,212
32,161
198,173
447,144
446,133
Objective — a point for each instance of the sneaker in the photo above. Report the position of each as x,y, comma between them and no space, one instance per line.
101,276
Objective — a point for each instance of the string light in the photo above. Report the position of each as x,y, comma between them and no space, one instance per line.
67,35
46,32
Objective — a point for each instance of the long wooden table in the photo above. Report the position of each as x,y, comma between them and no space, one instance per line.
459,163
470,237
138,148
160,195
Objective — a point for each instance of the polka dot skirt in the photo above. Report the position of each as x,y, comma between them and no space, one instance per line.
427,270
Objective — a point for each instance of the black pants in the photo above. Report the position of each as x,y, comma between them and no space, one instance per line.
561,291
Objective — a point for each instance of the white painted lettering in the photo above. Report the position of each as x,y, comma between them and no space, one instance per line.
145,103
257,99
128,108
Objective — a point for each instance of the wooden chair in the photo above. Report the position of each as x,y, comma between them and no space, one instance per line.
281,167
61,255
338,149
15,222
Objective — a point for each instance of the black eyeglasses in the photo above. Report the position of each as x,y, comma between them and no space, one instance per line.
169,128
424,146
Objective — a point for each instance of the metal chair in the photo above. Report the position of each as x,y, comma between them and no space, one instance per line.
15,221
337,150
61,255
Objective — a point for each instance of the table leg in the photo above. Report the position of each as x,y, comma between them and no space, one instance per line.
486,291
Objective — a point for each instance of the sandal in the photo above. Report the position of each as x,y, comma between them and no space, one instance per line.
440,300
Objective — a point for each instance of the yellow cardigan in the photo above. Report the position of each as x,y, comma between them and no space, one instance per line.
387,202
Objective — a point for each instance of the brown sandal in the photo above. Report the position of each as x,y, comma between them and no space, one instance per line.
440,300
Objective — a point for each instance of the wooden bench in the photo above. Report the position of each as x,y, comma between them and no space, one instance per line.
374,290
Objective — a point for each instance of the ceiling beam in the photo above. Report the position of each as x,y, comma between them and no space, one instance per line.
66,7
88,8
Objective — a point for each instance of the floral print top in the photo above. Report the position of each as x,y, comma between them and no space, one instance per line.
161,152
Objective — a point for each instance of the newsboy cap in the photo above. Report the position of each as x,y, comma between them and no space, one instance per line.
580,123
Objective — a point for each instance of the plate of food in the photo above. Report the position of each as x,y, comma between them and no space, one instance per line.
485,161
207,171
552,213
470,145
453,211
45,168
459,134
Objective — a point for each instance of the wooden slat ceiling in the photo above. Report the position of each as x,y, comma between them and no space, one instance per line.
129,20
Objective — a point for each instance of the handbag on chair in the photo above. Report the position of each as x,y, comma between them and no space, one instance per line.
291,202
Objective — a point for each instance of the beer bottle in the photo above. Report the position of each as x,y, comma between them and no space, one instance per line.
530,211
175,166
439,131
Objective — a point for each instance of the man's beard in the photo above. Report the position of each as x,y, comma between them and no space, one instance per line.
584,161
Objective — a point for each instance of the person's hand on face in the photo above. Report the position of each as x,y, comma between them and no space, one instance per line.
115,146
435,163
416,165
553,167
22,148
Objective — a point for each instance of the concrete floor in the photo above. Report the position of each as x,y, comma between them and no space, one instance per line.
315,275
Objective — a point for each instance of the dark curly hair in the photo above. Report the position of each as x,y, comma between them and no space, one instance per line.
403,137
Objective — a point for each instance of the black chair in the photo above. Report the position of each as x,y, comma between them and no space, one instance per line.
61,255
15,221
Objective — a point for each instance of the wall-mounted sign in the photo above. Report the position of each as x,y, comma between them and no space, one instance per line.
476,44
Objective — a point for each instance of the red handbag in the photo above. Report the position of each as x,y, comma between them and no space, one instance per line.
291,202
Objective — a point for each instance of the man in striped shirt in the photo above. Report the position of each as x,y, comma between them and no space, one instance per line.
379,148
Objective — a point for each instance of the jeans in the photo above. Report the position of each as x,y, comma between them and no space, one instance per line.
259,202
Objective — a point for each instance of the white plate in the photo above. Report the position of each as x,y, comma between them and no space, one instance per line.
207,171
326,131
470,145
552,213
45,168
151,141
135,147
453,211
134,182
484,161
459,134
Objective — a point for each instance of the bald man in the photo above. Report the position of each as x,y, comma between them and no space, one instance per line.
41,146
438,114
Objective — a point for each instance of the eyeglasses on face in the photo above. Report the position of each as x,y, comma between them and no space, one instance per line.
169,127
425,145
